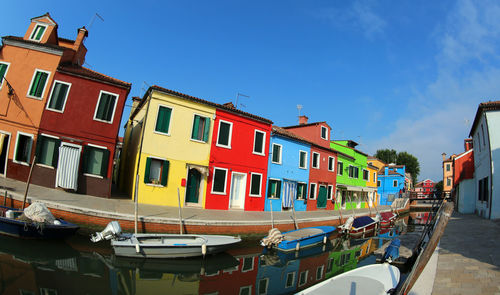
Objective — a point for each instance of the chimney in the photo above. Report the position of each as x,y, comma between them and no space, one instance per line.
468,144
135,102
79,48
303,120
444,156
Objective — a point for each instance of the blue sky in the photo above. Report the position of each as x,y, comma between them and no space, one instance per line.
402,74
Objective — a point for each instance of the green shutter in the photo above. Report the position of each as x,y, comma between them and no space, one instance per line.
164,173
163,119
278,189
35,84
206,132
270,190
85,158
3,69
196,125
41,84
38,148
40,32
104,164
146,172
55,157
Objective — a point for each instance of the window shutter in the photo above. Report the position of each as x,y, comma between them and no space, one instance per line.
196,125
270,189
41,84
104,163
55,157
146,173
85,158
35,84
38,148
164,173
206,132
3,69
278,189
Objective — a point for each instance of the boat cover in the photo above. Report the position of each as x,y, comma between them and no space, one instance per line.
302,233
362,221
39,212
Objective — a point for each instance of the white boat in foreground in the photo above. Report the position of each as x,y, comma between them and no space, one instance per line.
370,279
143,245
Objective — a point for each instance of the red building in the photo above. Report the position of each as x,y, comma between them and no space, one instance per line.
238,161
425,188
79,154
323,162
464,164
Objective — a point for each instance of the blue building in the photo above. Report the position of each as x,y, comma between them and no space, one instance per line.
391,183
288,171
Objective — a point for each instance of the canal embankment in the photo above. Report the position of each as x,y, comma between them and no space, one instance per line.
94,212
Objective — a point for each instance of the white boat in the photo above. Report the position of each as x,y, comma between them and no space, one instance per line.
370,279
144,245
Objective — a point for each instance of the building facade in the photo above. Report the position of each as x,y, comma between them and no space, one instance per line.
392,183
464,193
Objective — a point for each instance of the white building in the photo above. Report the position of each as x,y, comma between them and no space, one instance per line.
485,133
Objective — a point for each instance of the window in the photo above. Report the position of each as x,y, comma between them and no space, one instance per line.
391,197
95,161
201,128
58,96
315,160
353,172
331,163
38,84
3,71
312,191
156,171
319,272
394,183
247,264
330,192
303,278
263,286
23,148
37,33
365,174
378,183
448,181
324,132
259,142
246,290
255,184
290,279
303,159
276,153
374,176
163,120
482,131
47,150
219,181
274,190
301,191
106,105
448,167
224,135
340,168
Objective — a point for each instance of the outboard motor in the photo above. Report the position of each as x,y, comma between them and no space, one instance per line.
378,217
348,224
111,230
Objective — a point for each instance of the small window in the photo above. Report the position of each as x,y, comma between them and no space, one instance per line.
47,150
290,279
340,168
378,183
37,33
324,132
58,96
330,192
303,278
331,164
394,183
201,128
315,160
246,290
38,84
319,272
263,286
224,134
448,181
448,167
105,110
301,191
247,264
3,72
274,190
255,184
374,176
163,120
156,171
259,142
219,181
23,148
95,161
366,175
303,159
276,159
312,191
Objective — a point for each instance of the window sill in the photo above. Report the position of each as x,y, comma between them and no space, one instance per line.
34,97
304,168
218,193
258,154
93,175
103,121
161,133
223,146
273,198
21,163
154,185
55,110
198,141
277,163
255,196
45,166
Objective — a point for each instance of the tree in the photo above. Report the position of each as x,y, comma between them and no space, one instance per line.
387,155
438,188
411,164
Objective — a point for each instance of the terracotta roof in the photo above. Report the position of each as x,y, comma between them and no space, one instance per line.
484,107
88,73
307,124
46,15
48,45
199,100
373,167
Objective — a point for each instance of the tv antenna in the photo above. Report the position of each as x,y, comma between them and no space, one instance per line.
143,88
299,107
237,96
93,19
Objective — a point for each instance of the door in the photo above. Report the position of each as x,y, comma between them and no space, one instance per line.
238,186
193,186
321,202
4,142
68,163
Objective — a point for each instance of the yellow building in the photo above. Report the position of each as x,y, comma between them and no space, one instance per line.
174,148
374,166
372,183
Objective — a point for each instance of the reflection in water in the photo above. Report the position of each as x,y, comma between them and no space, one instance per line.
80,267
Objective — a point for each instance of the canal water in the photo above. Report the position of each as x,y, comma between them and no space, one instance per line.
78,266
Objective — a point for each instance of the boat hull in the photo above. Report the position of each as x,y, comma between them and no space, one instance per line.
305,240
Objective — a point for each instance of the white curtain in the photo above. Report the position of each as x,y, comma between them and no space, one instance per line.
289,193
67,171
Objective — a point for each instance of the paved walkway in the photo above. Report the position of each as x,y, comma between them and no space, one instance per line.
467,261
124,208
